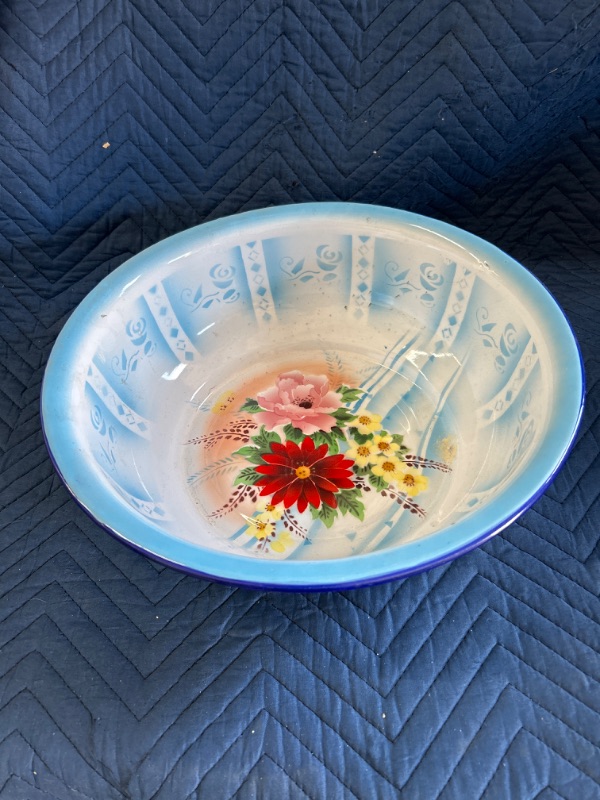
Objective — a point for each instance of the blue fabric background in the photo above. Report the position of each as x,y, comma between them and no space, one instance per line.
124,121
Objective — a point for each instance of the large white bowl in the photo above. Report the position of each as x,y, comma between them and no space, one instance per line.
312,396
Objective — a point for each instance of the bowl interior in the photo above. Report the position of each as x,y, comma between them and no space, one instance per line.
312,384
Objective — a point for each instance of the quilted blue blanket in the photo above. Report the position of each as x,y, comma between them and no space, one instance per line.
124,121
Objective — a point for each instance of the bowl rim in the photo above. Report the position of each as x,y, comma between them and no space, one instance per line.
354,571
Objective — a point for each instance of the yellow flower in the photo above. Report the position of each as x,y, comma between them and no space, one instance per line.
411,482
384,445
282,541
269,512
367,422
223,402
448,448
388,468
259,528
363,454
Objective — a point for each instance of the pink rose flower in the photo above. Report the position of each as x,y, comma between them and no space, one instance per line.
304,401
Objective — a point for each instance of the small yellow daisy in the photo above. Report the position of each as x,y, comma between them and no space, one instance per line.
267,511
367,422
411,482
259,528
384,445
362,454
223,402
448,448
282,542
388,468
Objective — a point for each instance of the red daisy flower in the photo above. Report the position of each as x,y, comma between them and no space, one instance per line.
304,474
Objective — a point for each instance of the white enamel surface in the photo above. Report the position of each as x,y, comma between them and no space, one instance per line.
454,345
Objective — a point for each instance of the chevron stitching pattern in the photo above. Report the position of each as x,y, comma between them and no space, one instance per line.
125,121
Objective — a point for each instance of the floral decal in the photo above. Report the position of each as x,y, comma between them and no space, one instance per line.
304,402
303,475
307,452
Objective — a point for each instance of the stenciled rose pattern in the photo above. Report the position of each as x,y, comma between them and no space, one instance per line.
307,452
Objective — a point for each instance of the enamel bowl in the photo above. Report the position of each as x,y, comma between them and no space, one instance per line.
312,396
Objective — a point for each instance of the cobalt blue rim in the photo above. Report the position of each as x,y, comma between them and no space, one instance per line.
325,582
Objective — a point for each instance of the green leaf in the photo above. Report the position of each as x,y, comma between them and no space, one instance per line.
248,475
320,437
339,433
343,415
377,482
252,454
325,514
264,438
251,406
398,439
349,501
293,434
361,470
360,438
349,395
